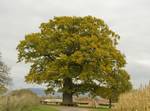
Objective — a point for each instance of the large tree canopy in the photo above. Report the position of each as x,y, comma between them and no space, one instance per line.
4,76
74,54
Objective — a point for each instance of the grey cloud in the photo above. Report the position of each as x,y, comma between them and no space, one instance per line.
140,74
129,18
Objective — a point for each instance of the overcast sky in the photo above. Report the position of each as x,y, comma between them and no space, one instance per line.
129,18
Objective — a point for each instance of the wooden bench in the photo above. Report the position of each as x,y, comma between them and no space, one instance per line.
51,101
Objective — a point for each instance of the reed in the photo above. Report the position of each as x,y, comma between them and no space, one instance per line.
137,100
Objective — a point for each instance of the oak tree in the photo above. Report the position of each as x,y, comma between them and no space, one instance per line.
73,54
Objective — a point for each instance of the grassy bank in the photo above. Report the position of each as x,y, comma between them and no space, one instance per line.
44,108
19,100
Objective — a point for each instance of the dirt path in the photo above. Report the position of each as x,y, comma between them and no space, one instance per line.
63,108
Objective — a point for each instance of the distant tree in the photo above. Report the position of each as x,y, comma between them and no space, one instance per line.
4,76
75,54
118,83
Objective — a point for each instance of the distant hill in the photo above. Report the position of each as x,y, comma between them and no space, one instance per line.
38,91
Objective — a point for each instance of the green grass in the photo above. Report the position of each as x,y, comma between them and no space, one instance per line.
100,109
44,108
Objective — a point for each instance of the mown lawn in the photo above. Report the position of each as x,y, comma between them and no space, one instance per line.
44,108
100,109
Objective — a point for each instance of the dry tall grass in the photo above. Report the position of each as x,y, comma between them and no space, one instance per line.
138,100
20,100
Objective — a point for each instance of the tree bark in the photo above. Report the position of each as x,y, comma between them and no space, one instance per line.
110,103
67,93
67,99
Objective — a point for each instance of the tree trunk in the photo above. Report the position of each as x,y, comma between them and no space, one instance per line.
67,93
67,99
110,103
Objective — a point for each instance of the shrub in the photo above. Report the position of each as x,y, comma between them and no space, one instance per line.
137,100
19,100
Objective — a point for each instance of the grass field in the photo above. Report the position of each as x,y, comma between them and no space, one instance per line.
44,108
52,108
100,109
